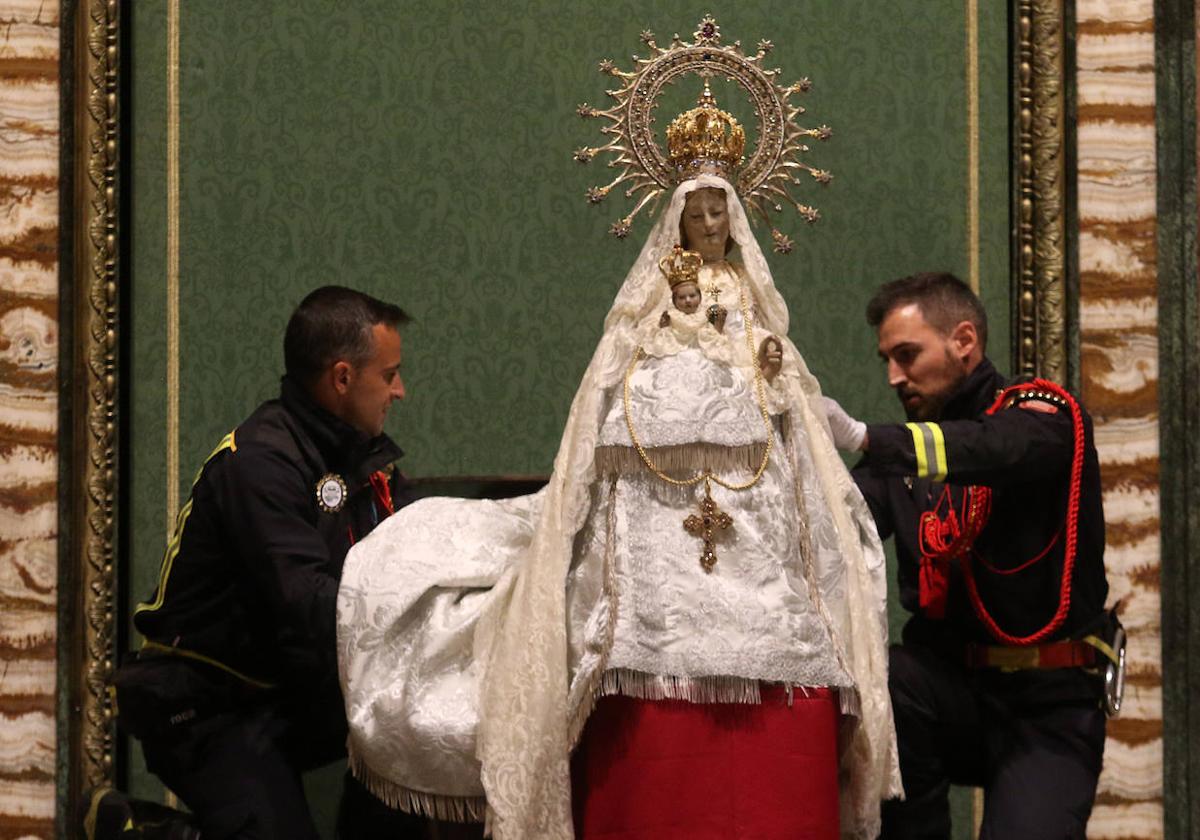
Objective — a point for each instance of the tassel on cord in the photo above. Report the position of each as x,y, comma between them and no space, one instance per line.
687,457
462,809
849,701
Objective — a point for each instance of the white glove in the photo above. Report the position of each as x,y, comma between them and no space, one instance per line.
848,433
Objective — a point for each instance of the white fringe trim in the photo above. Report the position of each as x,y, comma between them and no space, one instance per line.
642,686
462,809
686,457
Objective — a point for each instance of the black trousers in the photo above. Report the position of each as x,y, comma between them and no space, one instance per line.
1033,740
239,771
240,774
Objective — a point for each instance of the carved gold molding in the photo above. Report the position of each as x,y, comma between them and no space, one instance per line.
94,291
1039,164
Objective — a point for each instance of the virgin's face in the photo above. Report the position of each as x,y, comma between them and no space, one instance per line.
706,223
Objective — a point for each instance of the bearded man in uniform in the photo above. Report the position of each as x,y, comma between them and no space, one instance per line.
992,492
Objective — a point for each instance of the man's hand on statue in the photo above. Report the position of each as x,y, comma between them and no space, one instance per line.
849,435
770,357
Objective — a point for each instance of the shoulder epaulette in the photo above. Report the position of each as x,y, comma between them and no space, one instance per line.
1034,393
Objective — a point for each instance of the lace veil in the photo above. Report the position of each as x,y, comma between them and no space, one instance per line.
529,719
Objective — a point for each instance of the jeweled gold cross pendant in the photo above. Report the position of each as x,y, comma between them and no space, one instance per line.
705,526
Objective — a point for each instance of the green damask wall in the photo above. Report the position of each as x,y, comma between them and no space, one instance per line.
422,152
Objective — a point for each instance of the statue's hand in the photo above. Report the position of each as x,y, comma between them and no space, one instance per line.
716,316
665,320
770,357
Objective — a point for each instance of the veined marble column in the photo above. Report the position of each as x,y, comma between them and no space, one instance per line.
29,137
1119,349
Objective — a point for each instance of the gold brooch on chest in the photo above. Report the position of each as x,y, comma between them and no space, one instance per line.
331,493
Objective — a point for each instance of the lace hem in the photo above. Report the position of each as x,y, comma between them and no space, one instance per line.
462,809
770,665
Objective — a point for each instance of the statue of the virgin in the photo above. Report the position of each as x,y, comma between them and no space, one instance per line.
684,633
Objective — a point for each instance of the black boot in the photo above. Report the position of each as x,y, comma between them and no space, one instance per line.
111,815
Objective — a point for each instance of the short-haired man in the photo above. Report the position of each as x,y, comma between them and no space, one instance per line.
234,692
993,495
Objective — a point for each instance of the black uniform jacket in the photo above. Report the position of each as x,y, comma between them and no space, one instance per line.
1025,456
248,585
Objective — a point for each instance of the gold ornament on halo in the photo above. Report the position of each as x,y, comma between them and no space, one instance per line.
681,266
705,138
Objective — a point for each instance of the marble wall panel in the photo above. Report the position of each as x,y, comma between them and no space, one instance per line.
1119,377
29,137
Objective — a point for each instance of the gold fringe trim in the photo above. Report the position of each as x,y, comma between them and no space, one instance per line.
642,686
685,457
462,809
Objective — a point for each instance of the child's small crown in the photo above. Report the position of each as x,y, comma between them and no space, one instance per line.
681,266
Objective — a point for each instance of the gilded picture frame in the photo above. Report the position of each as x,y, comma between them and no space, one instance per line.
93,285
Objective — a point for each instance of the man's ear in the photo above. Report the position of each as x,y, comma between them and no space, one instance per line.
965,339
342,374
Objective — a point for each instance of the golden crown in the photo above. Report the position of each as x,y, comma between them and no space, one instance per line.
681,266
705,139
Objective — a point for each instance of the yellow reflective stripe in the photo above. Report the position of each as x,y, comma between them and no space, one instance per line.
939,452
227,442
1103,646
164,570
919,447
207,660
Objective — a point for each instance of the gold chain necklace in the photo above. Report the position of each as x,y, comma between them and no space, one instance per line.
711,518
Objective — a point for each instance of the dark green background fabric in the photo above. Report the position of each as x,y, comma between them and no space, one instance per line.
421,151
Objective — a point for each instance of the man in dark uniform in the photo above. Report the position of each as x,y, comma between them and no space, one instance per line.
993,497
234,692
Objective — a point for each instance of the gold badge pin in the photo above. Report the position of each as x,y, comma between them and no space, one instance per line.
331,493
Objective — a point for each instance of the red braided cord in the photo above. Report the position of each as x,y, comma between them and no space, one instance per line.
1064,594
931,532
996,571
937,552
379,483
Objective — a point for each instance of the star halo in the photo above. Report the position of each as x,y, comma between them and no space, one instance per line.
766,179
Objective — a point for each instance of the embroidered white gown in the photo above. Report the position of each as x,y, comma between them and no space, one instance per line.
680,631
475,636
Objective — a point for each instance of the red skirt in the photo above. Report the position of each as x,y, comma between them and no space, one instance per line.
672,769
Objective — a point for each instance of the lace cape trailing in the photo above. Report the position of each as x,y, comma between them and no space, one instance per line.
509,626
